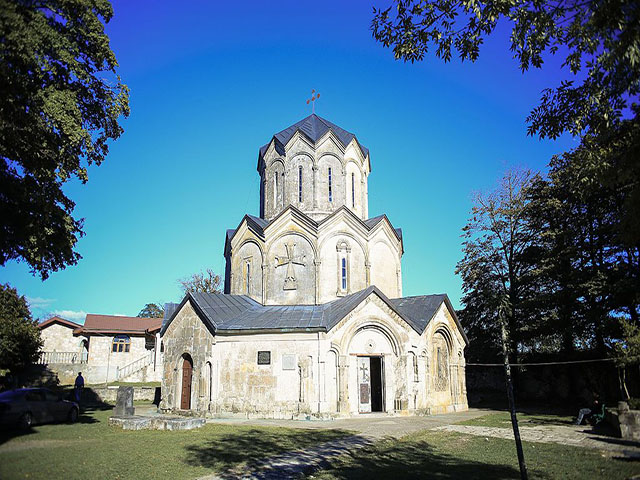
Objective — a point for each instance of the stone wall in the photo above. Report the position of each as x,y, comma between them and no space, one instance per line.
185,335
59,338
564,385
312,373
108,394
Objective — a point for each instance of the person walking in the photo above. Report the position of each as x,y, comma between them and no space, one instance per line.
78,386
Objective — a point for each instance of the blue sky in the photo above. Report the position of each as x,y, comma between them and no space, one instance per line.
211,82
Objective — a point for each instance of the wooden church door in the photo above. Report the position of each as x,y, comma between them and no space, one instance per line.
187,370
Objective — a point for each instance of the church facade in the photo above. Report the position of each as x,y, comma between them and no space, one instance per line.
312,320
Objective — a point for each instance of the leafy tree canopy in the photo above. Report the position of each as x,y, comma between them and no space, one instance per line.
152,310
19,335
599,43
207,282
497,275
60,104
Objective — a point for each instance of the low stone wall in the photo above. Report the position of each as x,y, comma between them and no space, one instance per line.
625,422
109,394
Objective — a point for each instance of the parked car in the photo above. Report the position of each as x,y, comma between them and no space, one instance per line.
24,407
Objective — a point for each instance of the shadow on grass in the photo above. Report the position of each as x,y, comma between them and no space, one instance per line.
248,448
86,416
241,453
418,459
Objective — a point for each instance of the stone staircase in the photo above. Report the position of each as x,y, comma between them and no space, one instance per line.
126,372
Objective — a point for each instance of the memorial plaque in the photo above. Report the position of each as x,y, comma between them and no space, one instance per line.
288,362
364,393
264,358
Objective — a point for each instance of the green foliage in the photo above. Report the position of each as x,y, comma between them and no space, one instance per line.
207,282
599,43
60,104
19,334
584,210
152,310
629,349
495,269
559,253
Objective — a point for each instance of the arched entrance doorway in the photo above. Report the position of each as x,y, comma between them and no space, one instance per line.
187,373
372,350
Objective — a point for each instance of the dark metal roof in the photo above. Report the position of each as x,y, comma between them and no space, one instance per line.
314,128
237,313
259,224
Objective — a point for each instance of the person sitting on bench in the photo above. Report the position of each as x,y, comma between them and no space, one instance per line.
586,413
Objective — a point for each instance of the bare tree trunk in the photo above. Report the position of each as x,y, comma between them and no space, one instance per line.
512,404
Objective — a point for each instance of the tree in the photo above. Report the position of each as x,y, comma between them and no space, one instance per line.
60,104
599,42
152,310
497,274
20,341
207,282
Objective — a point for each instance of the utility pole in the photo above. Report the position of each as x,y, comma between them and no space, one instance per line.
512,403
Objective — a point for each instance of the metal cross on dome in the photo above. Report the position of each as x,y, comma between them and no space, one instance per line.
314,96
289,261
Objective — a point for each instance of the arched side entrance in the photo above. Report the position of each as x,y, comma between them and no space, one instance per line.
187,374
372,350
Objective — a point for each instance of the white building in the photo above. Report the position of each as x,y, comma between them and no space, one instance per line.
313,320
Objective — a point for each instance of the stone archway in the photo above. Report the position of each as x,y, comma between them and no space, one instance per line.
187,376
372,357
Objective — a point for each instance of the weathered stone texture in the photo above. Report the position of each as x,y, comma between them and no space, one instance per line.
312,247
59,338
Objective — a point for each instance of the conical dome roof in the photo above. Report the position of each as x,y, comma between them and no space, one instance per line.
314,128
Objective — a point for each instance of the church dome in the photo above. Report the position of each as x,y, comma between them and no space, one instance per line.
315,166
313,128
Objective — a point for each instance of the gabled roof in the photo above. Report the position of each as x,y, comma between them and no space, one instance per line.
59,321
259,225
116,324
238,313
314,128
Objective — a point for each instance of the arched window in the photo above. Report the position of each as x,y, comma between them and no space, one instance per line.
248,280
353,190
300,184
330,192
343,250
121,343
275,189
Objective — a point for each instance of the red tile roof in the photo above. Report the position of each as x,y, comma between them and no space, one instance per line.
59,320
114,324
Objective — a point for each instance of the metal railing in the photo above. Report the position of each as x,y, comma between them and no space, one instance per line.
135,366
62,357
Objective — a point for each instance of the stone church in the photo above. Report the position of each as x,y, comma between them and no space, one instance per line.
312,321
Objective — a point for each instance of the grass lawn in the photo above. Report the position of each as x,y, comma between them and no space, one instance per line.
448,455
503,419
93,449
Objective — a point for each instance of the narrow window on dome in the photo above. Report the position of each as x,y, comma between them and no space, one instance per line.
353,190
248,285
300,184
275,189
330,193
344,274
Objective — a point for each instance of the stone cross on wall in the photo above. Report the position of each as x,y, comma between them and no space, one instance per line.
289,260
